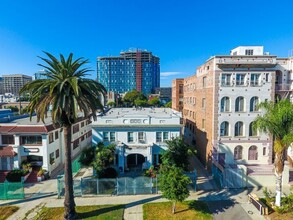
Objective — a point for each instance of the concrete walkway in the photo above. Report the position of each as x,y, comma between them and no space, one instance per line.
224,204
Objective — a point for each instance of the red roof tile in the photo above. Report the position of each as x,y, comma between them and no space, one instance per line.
6,128
29,129
7,151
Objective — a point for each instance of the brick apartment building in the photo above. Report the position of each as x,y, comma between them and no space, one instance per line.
220,104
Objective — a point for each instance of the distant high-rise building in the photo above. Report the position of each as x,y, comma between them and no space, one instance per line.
137,69
1,86
41,74
14,82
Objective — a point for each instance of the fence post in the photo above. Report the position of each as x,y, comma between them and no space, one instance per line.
124,185
157,185
117,187
81,186
151,185
134,186
98,190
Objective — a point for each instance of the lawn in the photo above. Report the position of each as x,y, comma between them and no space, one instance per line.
186,210
7,211
102,212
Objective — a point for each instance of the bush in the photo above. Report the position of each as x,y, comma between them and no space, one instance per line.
109,172
151,172
41,172
15,175
87,156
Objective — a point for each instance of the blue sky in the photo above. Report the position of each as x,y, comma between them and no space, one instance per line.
182,33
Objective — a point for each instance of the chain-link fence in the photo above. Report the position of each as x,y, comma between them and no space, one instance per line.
115,186
9,190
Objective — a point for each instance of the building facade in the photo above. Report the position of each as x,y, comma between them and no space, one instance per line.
14,82
177,94
220,104
131,70
138,134
38,143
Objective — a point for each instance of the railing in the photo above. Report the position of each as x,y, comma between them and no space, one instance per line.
9,190
283,87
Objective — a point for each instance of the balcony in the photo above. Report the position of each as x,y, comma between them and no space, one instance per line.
283,87
246,62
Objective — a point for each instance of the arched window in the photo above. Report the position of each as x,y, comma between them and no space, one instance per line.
239,104
238,152
224,129
252,132
225,104
239,130
252,153
254,104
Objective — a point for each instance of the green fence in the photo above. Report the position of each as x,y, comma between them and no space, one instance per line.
10,190
76,165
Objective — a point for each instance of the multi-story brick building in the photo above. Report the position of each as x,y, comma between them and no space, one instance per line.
220,104
177,94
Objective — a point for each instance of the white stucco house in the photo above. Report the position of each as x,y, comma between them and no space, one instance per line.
139,134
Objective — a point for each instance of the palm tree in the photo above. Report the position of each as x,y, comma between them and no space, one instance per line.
278,122
65,92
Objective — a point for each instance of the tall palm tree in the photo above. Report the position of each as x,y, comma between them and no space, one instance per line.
278,122
65,92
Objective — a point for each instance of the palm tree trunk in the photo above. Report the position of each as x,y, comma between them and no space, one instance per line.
69,204
279,167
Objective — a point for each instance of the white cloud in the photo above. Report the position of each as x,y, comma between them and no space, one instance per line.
166,74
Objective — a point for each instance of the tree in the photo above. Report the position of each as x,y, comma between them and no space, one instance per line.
278,122
155,101
13,108
173,184
104,157
140,103
111,104
168,104
177,153
133,95
65,92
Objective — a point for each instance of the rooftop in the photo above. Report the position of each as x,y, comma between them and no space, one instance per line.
141,112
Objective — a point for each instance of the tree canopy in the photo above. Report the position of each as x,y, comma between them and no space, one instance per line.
132,96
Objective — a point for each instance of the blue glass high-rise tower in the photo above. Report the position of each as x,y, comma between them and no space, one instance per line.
137,69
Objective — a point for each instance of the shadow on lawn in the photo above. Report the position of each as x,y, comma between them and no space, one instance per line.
98,211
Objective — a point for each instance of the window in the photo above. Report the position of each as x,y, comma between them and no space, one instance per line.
112,136
203,123
51,138
7,139
75,128
158,136
203,103
267,77
82,124
75,144
240,79
56,135
180,89
105,136
225,104
165,135
224,129
226,80
130,136
238,152
252,132
264,151
248,52
254,101
52,159
204,82
239,131
31,140
254,79
252,153
141,137
239,104
57,153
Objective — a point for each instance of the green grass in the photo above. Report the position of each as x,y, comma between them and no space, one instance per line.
186,210
7,211
99,212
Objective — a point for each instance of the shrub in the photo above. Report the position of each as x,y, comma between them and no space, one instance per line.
109,172
151,172
41,172
15,175
87,156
